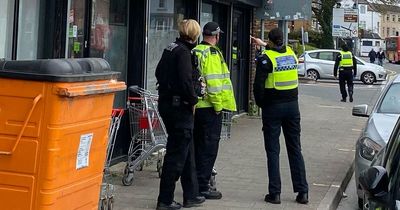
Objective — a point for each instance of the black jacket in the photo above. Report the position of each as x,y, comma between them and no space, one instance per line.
380,55
265,96
174,72
337,61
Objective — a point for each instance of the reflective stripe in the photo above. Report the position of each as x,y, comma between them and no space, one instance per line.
218,89
202,52
217,76
288,83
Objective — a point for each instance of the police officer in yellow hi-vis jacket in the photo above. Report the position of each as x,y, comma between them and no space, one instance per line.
208,117
276,92
347,65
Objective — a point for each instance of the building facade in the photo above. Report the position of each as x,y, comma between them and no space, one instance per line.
130,35
390,22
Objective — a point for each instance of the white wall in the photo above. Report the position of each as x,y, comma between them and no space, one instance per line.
372,19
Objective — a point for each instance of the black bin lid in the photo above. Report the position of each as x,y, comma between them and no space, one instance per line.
58,70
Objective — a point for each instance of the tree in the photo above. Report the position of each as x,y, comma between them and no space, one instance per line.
323,11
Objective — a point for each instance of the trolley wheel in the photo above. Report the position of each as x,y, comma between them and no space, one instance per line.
159,167
111,203
103,204
127,179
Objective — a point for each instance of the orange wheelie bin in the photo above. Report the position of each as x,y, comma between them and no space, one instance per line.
54,119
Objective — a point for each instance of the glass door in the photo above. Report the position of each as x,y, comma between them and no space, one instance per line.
99,28
240,56
76,31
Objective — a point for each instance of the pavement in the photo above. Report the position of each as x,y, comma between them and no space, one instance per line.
329,132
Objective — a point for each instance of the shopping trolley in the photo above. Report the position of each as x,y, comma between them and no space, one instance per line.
148,134
107,189
225,135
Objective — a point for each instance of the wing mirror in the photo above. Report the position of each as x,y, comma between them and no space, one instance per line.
375,182
360,110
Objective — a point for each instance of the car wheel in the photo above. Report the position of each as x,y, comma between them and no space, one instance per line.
312,74
368,78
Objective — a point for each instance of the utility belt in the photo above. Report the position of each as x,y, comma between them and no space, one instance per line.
174,101
342,69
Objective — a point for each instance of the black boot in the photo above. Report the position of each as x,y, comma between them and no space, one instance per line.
351,98
172,206
343,100
187,203
211,194
302,198
273,198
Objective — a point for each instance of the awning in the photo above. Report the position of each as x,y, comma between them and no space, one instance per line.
254,3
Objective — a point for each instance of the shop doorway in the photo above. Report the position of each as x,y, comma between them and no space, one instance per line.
240,54
98,28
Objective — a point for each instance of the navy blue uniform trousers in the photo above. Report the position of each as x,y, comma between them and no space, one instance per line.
346,76
286,116
207,133
179,158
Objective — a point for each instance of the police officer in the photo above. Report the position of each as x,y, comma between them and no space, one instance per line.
347,64
177,79
276,92
208,117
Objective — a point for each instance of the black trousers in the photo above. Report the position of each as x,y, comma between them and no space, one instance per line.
207,133
179,158
285,116
346,76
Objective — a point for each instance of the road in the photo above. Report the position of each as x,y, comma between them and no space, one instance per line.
349,200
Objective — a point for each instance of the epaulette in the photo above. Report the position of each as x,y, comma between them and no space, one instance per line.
171,46
213,51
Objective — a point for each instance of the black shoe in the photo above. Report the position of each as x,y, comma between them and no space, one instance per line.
343,100
172,206
351,98
275,199
302,198
187,203
212,194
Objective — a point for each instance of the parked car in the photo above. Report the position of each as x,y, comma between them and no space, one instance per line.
378,128
381,181
320,64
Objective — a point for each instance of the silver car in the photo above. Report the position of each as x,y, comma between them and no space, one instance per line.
320,64
378,128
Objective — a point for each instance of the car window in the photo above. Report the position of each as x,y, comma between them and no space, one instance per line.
393,153
359,62
391,101
313,55
328,56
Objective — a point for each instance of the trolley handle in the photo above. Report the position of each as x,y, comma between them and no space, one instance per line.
117,112
35,102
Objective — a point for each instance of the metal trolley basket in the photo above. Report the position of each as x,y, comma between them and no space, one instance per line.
148,133
107,189
225,135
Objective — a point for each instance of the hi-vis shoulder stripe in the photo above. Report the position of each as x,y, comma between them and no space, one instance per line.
202,52
346,56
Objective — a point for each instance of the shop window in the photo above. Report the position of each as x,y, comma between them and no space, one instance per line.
163,30
28,26
6,25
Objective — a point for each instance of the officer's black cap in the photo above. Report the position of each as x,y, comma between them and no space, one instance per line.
211,29
276,36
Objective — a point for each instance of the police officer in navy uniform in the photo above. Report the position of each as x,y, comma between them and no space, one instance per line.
276,92
347,65
178,77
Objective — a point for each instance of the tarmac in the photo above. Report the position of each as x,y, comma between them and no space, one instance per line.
329,133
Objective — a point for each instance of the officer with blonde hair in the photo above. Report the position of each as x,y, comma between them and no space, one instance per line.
178,90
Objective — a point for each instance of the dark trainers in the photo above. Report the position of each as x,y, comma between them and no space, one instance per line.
351,98
302,198
172,206
343,100
211,194
187,203
275,199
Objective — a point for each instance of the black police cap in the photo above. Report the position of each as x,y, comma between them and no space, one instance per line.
211,29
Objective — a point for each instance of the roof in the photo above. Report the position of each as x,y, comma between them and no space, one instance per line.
385,8
369,35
